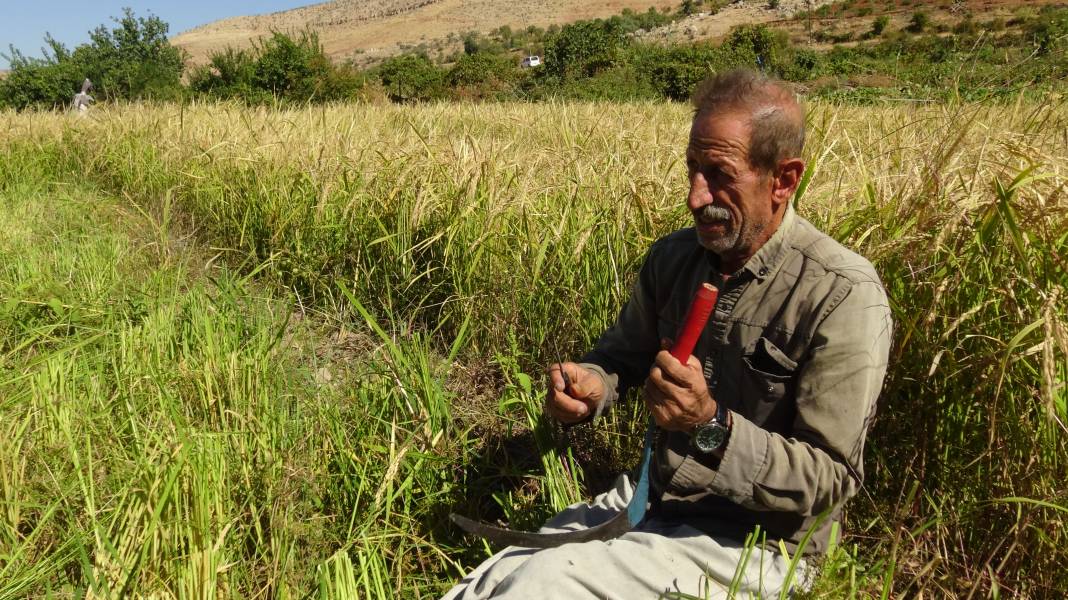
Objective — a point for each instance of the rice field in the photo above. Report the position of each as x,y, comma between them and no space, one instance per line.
262,353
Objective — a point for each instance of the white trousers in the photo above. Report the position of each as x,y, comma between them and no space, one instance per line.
655,559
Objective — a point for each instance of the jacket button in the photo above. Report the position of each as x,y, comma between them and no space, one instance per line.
763,271
771,388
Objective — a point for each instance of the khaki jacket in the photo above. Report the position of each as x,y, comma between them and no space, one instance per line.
796,349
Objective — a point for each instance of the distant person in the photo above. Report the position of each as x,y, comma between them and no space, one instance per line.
82,99
763,427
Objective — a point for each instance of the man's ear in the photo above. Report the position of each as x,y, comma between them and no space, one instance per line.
785,180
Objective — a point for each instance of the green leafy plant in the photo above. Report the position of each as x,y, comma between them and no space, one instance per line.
919,22
278,68
411,77
133,60
878,26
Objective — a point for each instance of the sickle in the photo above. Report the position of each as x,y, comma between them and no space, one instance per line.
696,318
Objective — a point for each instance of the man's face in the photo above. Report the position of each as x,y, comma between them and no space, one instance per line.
730,200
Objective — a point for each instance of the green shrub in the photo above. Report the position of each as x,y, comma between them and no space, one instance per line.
758,41
966,26
46,83
749,45
130,62
482,76
278,68
411,78
133,61
1049,30
629,21
228,74
620,83
919,22
676,80
805,64
585,47
673,72
878,26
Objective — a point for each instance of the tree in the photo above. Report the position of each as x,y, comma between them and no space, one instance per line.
47,82
278,68
482,69
411,77
583,47
757,44
132,61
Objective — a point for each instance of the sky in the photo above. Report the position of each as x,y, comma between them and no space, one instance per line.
24,24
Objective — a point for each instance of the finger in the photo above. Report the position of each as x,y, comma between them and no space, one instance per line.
667,406
667,415
653,395
567,409
573,371
666,343
682,374
585,384
661,414
556,380
666,389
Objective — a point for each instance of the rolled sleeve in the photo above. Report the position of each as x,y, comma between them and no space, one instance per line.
609,383
744,457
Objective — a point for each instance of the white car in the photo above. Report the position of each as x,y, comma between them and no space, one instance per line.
531,61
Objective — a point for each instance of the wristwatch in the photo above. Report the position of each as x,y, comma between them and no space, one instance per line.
712,436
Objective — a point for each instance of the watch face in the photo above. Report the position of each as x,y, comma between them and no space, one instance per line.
709,437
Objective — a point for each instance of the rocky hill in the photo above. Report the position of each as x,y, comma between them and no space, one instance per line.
369,30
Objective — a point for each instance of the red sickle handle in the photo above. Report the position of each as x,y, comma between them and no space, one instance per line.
696,318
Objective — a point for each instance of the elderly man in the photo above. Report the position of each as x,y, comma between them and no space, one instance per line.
762,429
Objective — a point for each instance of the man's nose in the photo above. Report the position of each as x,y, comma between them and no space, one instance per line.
700,196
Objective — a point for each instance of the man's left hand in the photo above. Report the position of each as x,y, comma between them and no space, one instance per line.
677,394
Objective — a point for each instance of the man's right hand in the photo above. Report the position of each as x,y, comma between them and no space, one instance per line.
587,393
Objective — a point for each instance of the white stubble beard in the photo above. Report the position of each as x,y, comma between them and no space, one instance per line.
724,243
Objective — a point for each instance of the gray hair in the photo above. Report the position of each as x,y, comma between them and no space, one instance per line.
776,118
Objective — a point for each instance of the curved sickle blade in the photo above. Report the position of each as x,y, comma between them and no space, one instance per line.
612,528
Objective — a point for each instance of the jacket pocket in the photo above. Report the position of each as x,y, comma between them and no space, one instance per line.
769,369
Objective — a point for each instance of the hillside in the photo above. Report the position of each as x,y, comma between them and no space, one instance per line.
367,31
821,25
375,29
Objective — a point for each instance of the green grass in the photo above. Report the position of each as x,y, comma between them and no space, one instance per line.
165,434
264,353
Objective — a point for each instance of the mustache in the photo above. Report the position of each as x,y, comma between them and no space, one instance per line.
713,213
